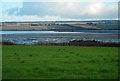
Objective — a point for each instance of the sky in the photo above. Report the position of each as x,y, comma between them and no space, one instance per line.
58,10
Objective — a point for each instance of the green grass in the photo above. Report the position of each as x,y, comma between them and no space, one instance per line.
108,27
59,62
0,62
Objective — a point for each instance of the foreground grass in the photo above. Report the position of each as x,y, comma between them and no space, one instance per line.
59,62
0,62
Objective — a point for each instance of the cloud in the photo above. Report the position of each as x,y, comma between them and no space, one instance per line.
57,0
35,18
101,10
66,10
13,11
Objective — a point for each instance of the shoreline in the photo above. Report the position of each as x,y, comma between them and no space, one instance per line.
70,43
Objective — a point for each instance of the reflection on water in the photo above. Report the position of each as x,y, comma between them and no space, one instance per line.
42,32
33,37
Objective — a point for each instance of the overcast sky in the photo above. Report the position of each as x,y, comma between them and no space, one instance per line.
58,10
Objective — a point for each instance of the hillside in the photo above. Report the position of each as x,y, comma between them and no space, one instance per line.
62,25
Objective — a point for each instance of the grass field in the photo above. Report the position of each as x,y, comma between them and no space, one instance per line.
59,62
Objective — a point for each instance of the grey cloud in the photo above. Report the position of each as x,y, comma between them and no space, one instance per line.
12,11
60,9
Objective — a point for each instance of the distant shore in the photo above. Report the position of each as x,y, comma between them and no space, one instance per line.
62,25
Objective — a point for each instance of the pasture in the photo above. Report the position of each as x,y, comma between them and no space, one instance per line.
59,62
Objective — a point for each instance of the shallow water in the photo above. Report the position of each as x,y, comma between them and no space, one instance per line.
32,37
85,32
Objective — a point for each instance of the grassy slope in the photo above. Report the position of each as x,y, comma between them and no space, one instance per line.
108,27
60,62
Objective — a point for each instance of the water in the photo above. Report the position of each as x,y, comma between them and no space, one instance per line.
33,37
55,32
24,32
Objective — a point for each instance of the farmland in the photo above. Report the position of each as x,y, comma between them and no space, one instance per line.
62,26
59,62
